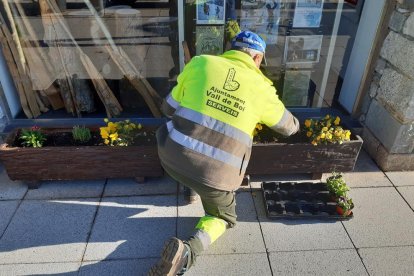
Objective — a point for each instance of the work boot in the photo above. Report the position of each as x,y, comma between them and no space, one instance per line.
174,259
190,195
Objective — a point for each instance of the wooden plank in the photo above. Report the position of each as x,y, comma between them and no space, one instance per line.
53,95
109,100
149,95
14,73
23,77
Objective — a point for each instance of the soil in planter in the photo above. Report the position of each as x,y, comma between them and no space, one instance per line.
63,139
299,200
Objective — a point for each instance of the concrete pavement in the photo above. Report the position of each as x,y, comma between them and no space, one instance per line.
117,227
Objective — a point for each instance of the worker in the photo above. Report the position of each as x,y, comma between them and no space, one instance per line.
215,106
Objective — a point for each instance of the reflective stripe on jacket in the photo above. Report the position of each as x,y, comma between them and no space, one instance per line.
215,107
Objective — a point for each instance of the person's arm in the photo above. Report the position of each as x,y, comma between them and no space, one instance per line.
277,117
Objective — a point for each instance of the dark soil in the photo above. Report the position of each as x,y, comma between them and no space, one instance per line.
65,139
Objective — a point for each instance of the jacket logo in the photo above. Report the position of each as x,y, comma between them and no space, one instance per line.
230,84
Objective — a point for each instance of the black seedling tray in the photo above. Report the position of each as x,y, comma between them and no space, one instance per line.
299,200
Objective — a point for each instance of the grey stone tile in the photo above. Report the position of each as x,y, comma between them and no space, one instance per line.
48,231
67,189
300,234
232,264
151,186
7,209
9,189
381,218
401,178
132,227
135,267
327,262
62,269
408,194
365,174
388,260
246,237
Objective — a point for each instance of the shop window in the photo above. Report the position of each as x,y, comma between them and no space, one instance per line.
308,41
97,58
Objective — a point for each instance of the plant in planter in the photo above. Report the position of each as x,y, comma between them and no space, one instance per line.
273,153
344,206
65,155
122,133
81,134
326,130
32,137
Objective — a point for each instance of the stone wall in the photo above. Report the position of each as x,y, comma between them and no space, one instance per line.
388,108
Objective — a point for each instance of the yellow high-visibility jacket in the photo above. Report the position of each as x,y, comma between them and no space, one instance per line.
215,106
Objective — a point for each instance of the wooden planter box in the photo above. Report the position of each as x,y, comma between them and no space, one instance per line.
274,158
78,162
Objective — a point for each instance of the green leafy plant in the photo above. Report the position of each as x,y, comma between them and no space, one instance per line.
81,134
32,137
326,130
121,133
336,185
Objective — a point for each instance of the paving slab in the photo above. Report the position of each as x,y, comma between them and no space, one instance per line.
61,269
132,227
246,237
136,267
320,262
7,209
300,234
401,178
366,174
389,260
9,189
408,194
231,264
381,218
67,189
151,186
48,231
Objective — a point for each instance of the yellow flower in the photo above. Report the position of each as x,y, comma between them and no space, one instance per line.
318,138
324,129
112,127
133,125
113,136
323,135
259,126
106,141
309,133
308,123
337,120
104,132
327,116
314,143
329,136
139,126
106,120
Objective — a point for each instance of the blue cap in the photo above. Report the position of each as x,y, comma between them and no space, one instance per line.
247,39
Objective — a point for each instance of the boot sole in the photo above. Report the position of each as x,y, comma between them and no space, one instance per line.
169,264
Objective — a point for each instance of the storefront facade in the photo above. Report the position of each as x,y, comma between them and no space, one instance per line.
79,61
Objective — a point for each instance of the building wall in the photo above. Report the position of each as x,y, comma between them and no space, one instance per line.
388,107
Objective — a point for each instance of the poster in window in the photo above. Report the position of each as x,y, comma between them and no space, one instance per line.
302,49
296,87
261,17
210,11
308,14
209,40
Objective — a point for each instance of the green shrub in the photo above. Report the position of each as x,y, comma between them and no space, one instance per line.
32,137
81,134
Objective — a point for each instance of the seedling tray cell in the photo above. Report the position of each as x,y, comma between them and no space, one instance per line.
299,200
